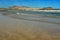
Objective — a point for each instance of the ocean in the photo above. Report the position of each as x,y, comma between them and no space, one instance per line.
40,16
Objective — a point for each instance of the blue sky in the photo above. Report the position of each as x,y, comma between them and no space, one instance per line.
30,3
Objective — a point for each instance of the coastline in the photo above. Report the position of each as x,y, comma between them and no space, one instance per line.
47,10
14,29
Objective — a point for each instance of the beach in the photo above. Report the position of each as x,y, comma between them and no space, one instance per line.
21,29
29,19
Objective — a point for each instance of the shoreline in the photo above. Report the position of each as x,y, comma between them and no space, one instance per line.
14,21
16,29
48,10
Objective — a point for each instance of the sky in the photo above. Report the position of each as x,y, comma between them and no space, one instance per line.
30,3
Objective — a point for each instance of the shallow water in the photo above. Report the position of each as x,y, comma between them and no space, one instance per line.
51,17
29,27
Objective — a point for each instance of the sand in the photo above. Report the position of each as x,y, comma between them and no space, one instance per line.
16,29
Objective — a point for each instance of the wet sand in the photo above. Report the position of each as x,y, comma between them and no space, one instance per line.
16,29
